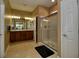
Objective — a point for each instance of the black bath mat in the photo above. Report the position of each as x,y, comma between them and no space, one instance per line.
44,51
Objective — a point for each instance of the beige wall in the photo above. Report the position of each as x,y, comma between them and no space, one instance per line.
41,11
7,22
44,11
21,13
35,12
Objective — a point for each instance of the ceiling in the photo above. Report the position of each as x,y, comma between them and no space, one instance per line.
29,5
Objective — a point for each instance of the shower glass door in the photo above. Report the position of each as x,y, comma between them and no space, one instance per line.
52,29
48,30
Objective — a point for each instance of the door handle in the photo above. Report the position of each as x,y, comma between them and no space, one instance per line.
0,34
64,35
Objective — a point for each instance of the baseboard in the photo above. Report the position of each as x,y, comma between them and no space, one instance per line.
6,50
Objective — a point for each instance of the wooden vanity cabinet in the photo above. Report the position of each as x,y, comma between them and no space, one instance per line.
21,35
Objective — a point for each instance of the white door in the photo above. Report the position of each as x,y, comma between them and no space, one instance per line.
1,30
69,29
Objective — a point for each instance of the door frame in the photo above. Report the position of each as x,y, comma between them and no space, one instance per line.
2,7
78,26
59,28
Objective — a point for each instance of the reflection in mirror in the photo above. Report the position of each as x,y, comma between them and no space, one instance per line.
20,24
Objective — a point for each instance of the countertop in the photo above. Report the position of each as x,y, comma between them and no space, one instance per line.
22,30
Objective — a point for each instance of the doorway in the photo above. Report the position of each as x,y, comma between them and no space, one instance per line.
19,17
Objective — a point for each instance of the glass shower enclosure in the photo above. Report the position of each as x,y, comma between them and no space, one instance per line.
47,30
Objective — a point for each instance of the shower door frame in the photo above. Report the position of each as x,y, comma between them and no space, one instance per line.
56,32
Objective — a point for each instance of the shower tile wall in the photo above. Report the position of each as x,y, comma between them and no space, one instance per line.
42,30
45,30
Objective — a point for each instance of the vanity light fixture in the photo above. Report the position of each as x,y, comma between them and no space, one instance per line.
29,18
53,0
16,17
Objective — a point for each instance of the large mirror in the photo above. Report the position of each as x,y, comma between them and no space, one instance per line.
20,24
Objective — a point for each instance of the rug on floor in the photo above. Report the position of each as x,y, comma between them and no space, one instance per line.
44,51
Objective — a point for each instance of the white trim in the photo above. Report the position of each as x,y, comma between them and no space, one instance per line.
78,27
54,12
2,49
6,50
34,28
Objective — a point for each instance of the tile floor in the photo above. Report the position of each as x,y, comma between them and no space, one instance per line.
25,49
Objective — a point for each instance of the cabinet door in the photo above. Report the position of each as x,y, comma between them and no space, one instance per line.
12,36
29,35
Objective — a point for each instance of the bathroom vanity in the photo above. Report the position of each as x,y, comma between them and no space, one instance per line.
21,30
21,35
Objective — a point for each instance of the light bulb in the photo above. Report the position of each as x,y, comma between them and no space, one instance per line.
53,0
